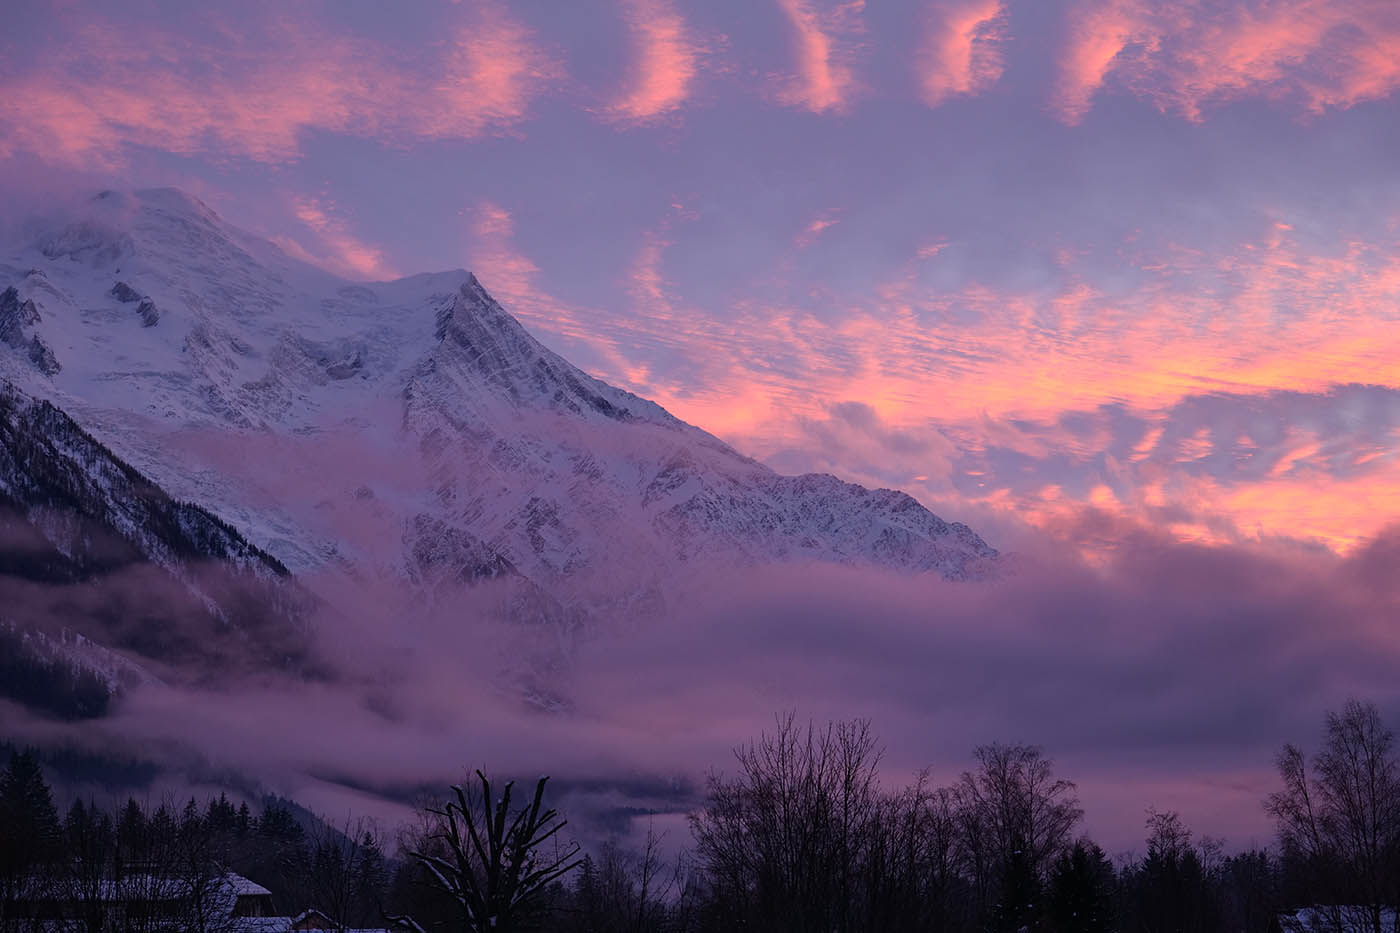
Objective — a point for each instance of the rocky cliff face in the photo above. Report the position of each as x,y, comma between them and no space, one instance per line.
17,320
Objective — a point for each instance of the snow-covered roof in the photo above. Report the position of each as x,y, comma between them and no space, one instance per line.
308,914
1334,918
241,887
150,886
263,925
287,924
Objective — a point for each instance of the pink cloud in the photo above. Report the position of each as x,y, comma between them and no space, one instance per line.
647,283
809,233
515,280
491,74
960,53
257,90
1100,31
825,80
1185,56
347,254
667,60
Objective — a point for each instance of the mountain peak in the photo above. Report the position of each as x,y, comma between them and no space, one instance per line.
167,197
156,225
177,199
480,342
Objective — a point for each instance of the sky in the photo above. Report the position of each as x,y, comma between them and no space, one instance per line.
1014,256
1109,270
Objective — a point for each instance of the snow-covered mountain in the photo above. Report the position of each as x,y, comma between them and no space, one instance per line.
87,541
411,428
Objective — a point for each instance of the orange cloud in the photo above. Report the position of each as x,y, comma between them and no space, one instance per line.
1183,55
1341,512
960,53
825,80
666,64
1338,512
1266,316
766,370
259,88
977,365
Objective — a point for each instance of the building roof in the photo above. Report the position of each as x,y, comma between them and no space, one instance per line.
241,887
1334,918
152,886
288,924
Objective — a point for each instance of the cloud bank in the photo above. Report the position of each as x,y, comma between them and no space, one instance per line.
1160,674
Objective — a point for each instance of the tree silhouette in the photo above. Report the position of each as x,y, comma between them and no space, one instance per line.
490,860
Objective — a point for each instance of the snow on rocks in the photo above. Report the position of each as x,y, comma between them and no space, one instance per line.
430,392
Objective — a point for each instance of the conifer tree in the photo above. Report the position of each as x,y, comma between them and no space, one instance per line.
27,812
30,835
1081,891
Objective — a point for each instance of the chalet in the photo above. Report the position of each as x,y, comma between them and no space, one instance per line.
226,903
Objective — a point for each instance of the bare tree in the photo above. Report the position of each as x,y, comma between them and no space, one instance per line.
86,874
916,879
345,873
151,876
632,891
1015,818
658,880
1342,817
785,845
491,860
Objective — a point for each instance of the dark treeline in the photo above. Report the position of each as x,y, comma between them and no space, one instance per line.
799,836
91,861
46,683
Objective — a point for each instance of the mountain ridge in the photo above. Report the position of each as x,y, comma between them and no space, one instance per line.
472,437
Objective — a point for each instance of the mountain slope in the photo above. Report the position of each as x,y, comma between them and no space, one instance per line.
411,429
87,539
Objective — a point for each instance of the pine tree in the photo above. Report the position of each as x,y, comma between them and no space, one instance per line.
1018,907
191,824
587,901
88,837
132,831
31,829
1172,890
221,815
1081,891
